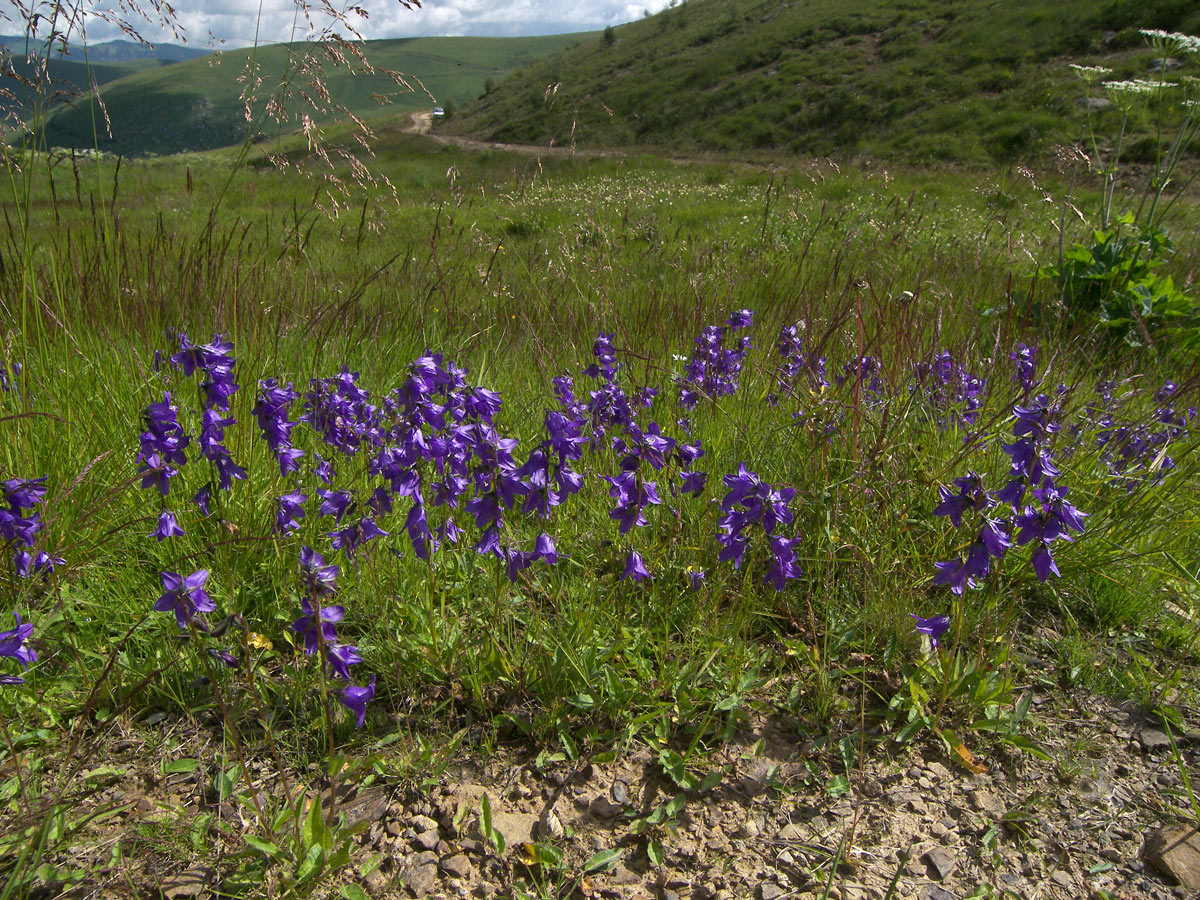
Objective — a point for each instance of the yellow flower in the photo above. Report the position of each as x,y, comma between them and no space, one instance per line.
259,642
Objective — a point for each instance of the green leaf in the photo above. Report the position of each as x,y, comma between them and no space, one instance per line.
837,786
485,817
602,861
654,850
711,780
312,863
266,848
226,782
310,833
352,892
1021,742
180,766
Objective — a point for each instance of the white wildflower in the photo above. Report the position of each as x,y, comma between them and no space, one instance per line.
1171,41
1091,74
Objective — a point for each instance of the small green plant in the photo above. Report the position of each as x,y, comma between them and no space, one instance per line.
1113,281
974,692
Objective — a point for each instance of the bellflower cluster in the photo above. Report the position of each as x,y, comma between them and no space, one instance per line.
14,644
799,373
9,376
947,387
341,412
161,445
608,406
1033,469
1138,453
317,628
751,505
20,525
1024,360
215,362
271,410
866,372
715,365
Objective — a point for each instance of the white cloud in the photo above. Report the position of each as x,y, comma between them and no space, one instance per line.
236,22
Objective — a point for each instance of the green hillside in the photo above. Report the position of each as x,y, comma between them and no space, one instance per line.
62,82
965,80
195,105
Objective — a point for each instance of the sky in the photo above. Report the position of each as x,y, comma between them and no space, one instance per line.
231,23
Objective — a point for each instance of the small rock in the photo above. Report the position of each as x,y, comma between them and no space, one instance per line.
421,879
622,874
619,792
934,892
376,881
791,832
1176,853
941,861
1063,878
1152,740
457,866
191,883
549,826
770,891
422,824
427,840
603,808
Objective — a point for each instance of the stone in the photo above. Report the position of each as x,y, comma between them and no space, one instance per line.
422,824
1176,853
603,808
1153,740
619,792
457,866
517,829
770,891
934,892
622,874
791,832
192,883
941,861
420,880
549,826
749,828
426,840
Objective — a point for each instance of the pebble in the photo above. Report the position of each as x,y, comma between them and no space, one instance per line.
457,866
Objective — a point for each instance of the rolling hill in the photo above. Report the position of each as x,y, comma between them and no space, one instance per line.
916,80
196,105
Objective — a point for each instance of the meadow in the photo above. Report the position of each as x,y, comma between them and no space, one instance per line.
559,460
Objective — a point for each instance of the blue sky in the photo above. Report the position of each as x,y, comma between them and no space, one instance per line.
232,23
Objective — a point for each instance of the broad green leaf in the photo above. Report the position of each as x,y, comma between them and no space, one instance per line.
603,860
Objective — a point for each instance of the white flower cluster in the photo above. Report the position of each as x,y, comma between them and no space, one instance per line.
1137,86
1091,74
1172,41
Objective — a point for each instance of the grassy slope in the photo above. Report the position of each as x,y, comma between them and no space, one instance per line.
196,105
970,80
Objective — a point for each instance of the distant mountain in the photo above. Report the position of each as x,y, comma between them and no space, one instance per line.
197,105
974,81
110,51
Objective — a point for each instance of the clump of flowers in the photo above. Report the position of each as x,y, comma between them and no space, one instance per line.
997,515
317,628
755,507
14,644
20,523
952,393
716,361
